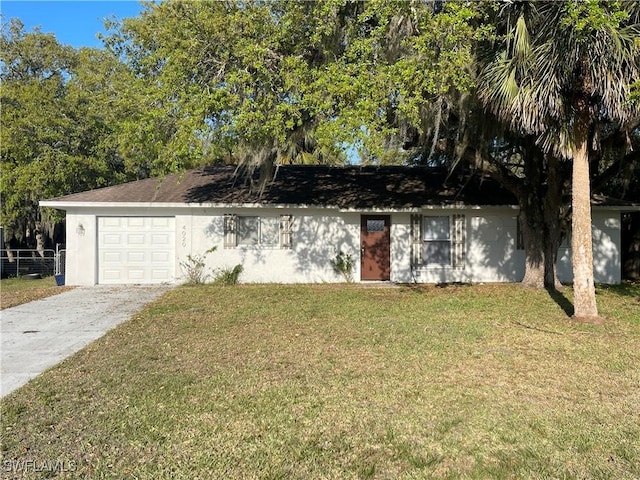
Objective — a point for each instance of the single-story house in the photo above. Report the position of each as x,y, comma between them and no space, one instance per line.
399,224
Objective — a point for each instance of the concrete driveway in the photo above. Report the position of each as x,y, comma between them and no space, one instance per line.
40,334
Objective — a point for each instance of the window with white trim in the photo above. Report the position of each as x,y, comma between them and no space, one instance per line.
252,230
438,240
263,231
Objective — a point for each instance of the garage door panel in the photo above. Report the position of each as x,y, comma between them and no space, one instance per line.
136,257
160,239
159,275
161,222
112,275
136,249
111,221
137,239
159,257
136,222
112,239
136,275
111,257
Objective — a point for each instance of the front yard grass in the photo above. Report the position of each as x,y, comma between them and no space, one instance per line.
16,291
256,381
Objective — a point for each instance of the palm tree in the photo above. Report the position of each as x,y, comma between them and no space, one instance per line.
559,69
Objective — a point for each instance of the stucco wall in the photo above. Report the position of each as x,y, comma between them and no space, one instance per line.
316,238
81,249
317,235
606,235
490,249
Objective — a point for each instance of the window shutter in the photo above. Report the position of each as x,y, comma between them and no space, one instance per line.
285,231
416,240
459,241
230,224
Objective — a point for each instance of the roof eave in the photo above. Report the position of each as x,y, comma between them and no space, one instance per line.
66,205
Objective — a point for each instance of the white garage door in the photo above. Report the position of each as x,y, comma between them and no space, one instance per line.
136,250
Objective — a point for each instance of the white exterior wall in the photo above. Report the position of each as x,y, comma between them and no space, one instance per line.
490,249
607,261
318,234
401,248
492,255
81,249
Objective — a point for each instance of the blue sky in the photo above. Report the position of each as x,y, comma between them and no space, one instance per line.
74,23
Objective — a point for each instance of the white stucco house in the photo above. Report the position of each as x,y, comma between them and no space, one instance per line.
399,224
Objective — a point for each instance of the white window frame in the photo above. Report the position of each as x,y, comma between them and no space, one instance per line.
456,238
448,240
263,223
273,231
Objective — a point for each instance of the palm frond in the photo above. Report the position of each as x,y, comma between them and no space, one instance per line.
531,80
557,140
498,86
614,63
521,40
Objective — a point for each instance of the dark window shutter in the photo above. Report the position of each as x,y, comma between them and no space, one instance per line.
230,224
458,239
285,231
416,241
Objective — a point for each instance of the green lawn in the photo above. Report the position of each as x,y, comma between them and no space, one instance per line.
307,382
16,291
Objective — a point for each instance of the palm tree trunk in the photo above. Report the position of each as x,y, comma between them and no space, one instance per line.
585,307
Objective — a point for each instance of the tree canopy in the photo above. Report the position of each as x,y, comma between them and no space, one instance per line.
293,81
55,135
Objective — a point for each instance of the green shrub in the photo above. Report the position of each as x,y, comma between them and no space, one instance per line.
194,268
343,264
228,276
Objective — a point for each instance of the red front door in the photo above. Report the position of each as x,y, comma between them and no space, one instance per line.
375,242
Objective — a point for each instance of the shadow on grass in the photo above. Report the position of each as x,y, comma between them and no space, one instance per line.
562,301
626,288
426,287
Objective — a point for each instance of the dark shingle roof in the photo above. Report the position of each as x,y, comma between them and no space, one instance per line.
343,187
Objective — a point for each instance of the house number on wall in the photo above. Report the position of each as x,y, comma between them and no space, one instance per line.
184,235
